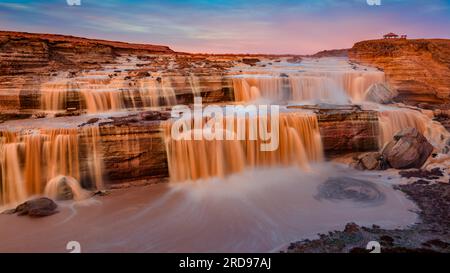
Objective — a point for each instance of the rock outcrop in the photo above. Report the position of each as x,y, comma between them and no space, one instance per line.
348,130
22,53
380,93
371,161
408,149
418,69
38,207
332,53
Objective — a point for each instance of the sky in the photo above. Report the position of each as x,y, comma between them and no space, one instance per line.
220,26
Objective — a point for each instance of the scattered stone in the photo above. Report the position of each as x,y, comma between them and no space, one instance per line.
387,240
294,60
69,113
434,173
408,149
250,61
101,193
437,243
155,115
371,161
89,122
351,228
40,115
92,120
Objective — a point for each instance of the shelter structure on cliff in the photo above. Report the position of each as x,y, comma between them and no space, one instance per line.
390,35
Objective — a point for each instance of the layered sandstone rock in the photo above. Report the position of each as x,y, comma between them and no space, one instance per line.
350,130
22,53
418,69
48,72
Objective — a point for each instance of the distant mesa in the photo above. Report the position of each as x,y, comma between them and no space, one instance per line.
332,53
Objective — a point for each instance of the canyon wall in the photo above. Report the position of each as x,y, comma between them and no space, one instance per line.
418,69
22,53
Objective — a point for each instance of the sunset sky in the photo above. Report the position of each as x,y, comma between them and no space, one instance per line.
276,26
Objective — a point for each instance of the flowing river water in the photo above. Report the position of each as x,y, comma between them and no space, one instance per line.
223,195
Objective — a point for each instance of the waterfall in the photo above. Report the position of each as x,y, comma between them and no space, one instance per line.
103,101
393,120
29,160
156,92
299,144
64,186
12,183
249,89
195,85
102,94
92,134
330,87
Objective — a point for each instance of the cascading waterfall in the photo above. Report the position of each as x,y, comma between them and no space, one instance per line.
29,160
156,92
249,89
299,144
393,120
195,85
102,94
317,89
64,186
329,87
92,134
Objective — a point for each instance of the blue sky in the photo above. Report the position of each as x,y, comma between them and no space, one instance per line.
276,26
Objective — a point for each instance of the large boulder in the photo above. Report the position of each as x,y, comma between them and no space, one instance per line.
38,207
380,93
408,149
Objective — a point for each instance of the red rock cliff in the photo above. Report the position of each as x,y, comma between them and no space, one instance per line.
22,53
418,69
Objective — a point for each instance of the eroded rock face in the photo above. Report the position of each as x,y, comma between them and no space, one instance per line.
350,130
133,147
408,149
418,69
